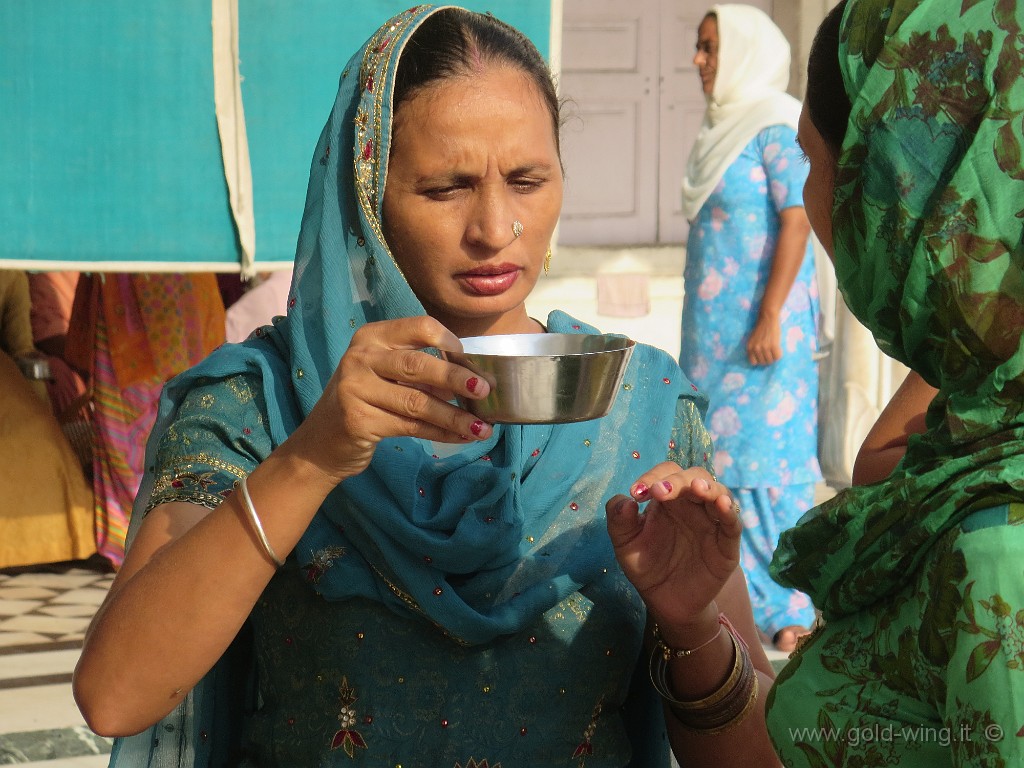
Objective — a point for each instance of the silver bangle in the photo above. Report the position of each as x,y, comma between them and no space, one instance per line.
257,526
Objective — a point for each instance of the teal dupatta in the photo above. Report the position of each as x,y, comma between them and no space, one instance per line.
479,543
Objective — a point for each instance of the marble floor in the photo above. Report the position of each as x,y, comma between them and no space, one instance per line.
44,611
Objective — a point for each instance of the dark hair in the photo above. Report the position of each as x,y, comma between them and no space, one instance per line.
450,41
828,106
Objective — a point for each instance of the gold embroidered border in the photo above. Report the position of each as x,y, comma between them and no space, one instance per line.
209,500
380,51
408,599
184,467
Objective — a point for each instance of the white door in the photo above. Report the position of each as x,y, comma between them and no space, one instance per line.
610,79
635,105
682,108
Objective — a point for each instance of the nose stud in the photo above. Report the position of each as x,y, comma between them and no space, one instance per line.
517,228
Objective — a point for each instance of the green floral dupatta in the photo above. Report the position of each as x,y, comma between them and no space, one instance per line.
928,222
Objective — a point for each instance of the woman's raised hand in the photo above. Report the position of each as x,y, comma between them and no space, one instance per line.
684,546
386,385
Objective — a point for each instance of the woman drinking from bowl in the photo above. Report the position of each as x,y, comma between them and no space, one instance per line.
311,582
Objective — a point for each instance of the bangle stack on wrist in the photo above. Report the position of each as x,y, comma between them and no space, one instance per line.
723,708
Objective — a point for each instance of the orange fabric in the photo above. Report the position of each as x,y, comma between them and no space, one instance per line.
131,333
160,324
127,341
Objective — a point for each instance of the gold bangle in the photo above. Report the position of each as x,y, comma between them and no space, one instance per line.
725,707
726,721
659,677
257,526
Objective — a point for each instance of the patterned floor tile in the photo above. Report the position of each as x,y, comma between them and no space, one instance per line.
50,744
84,761
50,606
19,639
44,625
60,581
27,593
92,596
18,607
44,612
39,707
16,669
74,609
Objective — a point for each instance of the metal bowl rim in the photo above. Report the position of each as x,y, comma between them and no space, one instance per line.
626,343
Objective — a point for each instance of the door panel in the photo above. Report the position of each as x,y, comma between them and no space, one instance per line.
681,113
602,46
609,70
591,161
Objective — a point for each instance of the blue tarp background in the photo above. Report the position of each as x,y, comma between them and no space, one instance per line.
109,151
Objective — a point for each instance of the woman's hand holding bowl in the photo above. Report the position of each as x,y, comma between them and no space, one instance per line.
387,385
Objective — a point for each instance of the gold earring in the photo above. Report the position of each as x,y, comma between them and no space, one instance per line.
547,261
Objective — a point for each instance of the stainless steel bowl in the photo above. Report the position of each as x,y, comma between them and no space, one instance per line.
545,378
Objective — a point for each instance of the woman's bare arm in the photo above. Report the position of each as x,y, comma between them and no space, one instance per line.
747,743
187,585
886,441
192,576
764,346
682,555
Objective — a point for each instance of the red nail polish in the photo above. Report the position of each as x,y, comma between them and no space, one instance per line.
471,383
668,485
476,427
640,490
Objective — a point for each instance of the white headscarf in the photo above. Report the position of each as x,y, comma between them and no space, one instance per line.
749,95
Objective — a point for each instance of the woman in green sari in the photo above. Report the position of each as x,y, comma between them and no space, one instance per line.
912,126
332,564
